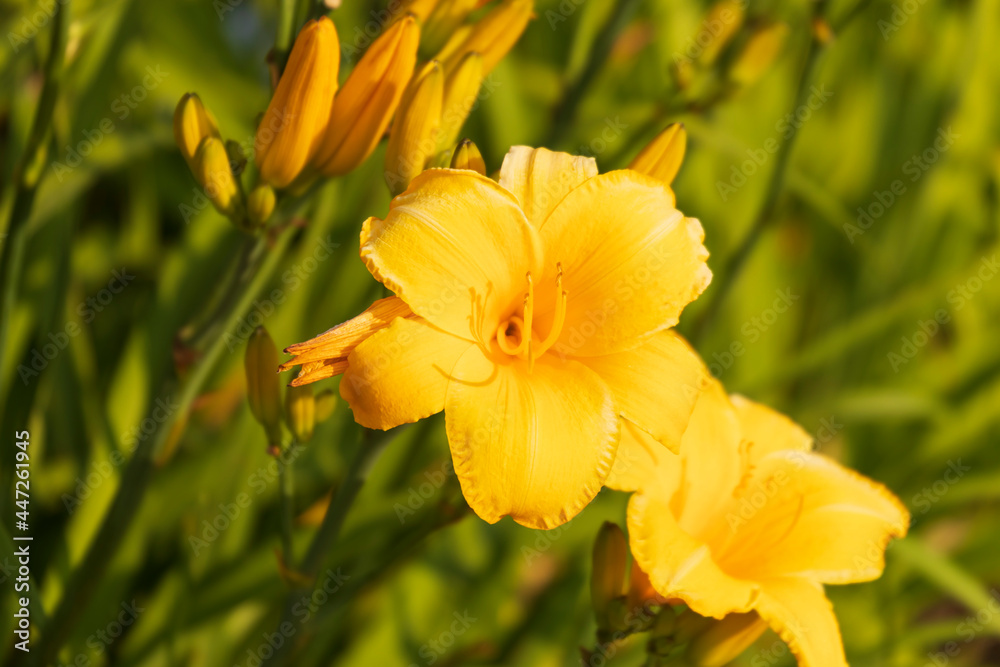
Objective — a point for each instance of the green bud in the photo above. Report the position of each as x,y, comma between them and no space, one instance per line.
260,204
263,384
607,579
300,412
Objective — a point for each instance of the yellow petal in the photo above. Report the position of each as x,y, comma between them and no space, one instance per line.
368,99
655,385
442,23
680,566
452,237
461,90
400,374
663,156
799,612
533,445
767,430
631,262
493,36
192,123
413,138
214,171
454,43
642,462
540,178
293,125
802,514
326,354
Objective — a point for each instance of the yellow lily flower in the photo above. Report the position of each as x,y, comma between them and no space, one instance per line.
296,118
536,313
748,519
369,98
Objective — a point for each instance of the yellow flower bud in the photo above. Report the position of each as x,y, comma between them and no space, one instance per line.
413,138
467,156
421,9
293,125
461,88
722,22
326,403
759,53
192,123
442,23
369,99
263,384
662,157
724,640
607,579
260,204
214,172
492,37
300,412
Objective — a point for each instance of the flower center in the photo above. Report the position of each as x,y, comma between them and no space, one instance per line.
516,338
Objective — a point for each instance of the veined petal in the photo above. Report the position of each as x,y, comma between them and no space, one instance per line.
331,348
767,430
400,374
798,610
802,514
533,444
453,239
630,260
540,178
369,98
680,566
655,385
643,463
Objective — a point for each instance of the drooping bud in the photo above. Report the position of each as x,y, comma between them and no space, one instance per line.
724,640
192,123
260,204
467,156
326,403
759,53
662,157
461,89
263,384
413,138
293,125
369,99
607,578
300,412
492,37
214,172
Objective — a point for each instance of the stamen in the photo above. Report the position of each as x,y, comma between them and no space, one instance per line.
560,318
529,307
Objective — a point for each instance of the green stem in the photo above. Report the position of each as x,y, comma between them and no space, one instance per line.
766,215
287,481
605,40
372,445
124,507
286,32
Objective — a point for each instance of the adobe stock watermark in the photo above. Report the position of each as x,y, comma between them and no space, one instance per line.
419,495
958,297
970,627
785,129
122,108
431,651
930,495
87,310
901,13
33,22
752,330
915,168
711,27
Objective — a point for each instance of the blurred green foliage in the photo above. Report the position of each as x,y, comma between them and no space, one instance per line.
916,283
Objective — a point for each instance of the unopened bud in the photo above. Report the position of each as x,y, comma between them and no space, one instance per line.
467,156
413,138
759,53
263,384
663,156
214,172
461,90
326,403
724,640
300,412
492,37
260,204
192,123
607,578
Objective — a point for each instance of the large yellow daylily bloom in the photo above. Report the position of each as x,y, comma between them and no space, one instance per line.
536,313
747,519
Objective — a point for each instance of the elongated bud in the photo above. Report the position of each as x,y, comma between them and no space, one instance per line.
467,156
724,640
260,204
293,125
214,172
722,22
369,99
759,53
420,9
441,24
326,403
492,37
662,157
607,579
413,138
263,384
300,412
192,123
461,89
